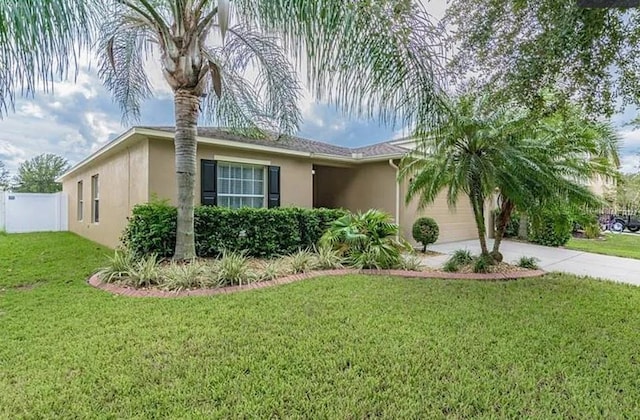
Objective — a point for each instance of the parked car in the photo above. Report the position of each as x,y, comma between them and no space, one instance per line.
610,222
631,223
616,223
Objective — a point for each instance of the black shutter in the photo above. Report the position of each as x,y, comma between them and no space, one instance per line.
273,193
208,182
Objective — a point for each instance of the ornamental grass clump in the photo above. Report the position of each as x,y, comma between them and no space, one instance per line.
233,269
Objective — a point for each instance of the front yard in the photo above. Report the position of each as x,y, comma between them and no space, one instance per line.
337,347
619,245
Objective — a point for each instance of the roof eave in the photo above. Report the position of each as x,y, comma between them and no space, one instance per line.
224,143
104,149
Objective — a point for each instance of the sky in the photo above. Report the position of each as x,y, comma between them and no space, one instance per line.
80,116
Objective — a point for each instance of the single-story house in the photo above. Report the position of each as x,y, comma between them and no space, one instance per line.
238,171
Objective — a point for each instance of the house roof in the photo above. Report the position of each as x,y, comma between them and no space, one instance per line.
299,144
283,144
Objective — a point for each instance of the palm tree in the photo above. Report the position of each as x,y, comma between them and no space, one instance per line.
370,58
39,41
480,149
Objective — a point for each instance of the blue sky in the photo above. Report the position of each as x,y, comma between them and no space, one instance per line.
79,117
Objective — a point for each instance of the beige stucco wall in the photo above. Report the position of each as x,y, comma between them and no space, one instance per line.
455,224
296,179
601,186
373,185
123,183
358,188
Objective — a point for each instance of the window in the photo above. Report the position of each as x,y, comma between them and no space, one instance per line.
95,199
240,185
80,201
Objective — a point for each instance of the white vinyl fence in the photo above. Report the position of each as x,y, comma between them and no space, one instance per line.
27,212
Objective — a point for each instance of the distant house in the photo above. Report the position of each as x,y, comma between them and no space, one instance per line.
236,171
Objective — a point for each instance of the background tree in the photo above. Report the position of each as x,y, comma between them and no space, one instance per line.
625,196
5,180
479,149
370,58
38,175
517,48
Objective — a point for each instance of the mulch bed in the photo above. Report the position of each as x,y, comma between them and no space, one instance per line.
152,292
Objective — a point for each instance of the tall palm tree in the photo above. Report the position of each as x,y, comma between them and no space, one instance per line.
480,149
370,58
39,41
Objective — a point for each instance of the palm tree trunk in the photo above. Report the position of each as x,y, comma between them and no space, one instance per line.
477,204
503,219
187,107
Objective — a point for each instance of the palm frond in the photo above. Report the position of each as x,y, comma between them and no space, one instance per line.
123,46
40,40
374,59
270,100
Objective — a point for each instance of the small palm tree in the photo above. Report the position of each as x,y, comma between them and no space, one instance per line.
366,240
370,58
480,149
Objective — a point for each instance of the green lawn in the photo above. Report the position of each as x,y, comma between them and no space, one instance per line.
342,347
614,244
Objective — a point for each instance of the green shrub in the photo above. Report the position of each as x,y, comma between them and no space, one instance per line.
462,257
145,272
366,240
181,276
411,262
274,269
328,258
302,261
233,269
257,232
530,263
459,258
425,230
119,267
592,231
551,228
482,264
451,266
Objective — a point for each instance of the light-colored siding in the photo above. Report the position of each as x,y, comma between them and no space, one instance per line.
123,176
296,179
359,188
373,185
455,224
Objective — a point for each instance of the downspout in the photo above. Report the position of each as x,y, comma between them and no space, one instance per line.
397,215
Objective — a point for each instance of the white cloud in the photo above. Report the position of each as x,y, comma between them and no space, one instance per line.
83,84
31,109
102,125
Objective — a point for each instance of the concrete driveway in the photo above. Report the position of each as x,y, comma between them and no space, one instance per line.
624,270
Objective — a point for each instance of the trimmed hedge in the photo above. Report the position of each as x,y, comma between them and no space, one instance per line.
425,230
551,228
258,232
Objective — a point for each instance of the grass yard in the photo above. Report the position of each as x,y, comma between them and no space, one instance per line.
342,347
614,244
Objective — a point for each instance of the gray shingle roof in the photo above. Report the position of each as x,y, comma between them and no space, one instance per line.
296,143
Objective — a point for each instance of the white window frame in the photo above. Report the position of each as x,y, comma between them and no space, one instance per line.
80,199
95,198
231,164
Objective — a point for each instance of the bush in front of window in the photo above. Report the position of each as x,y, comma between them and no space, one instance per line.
260,232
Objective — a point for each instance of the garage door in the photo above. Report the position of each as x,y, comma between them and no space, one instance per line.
455,225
